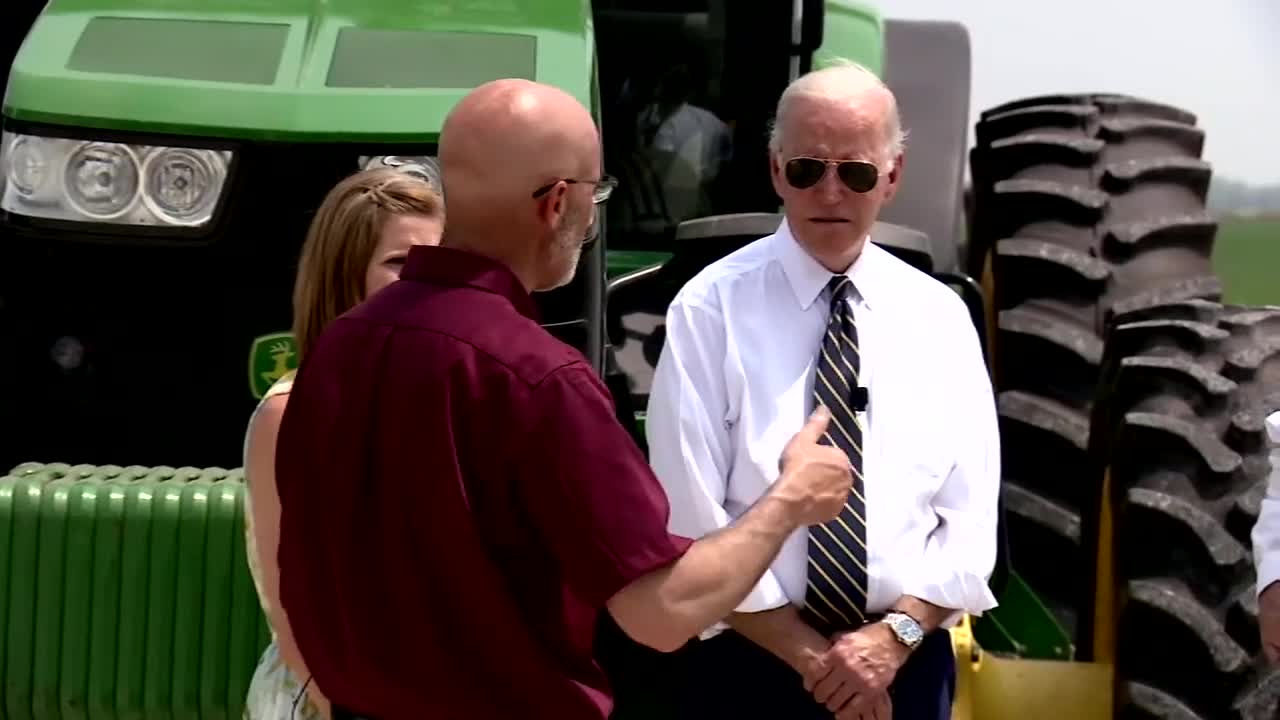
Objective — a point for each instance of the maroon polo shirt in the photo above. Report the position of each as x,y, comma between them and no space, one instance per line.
458,502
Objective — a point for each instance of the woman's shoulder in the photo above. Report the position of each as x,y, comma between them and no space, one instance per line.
271,404
281,386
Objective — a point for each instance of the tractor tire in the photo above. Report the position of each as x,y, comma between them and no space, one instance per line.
1084,204
1192,385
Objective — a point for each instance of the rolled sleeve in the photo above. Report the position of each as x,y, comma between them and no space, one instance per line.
1266,531
961,552
689,445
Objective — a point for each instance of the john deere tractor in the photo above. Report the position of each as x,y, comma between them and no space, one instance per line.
160,162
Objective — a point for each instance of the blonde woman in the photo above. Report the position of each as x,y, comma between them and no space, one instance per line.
355,246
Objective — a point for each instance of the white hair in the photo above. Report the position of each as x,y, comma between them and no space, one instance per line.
838,78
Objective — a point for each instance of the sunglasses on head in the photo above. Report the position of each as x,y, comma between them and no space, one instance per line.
857,175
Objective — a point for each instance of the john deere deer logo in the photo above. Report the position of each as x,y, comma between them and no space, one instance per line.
270,357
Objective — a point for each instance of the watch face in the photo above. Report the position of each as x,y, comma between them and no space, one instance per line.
907,630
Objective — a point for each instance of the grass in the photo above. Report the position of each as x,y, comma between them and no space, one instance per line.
1247,258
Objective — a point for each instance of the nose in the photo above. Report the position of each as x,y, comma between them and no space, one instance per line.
830,189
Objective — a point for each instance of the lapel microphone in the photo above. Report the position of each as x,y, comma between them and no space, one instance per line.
858,399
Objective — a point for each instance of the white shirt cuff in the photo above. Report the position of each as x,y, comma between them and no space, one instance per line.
965,592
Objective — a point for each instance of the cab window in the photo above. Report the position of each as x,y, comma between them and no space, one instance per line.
668,135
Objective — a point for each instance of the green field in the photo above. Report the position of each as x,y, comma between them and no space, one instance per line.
1247,258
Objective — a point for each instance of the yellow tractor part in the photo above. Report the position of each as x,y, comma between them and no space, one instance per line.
992,687
989,687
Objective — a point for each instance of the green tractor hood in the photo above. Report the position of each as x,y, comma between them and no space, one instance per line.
298,70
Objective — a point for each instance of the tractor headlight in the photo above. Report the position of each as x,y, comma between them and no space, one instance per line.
101,180
426,167
27,169
181,185
88,181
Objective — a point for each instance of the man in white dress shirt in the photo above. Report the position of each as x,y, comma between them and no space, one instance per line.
850,620
1266,550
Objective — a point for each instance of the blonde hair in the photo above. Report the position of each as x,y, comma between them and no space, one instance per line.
341,240
839,77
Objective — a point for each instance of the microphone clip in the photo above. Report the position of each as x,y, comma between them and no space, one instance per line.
858,399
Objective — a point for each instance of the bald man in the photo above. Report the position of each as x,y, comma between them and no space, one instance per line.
459,503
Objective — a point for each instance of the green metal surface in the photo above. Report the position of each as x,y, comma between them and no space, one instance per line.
621,262
193,50
126,593
1022,626
364,58
101,63
853,30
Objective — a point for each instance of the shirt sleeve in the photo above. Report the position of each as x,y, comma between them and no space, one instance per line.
961,552
589,492
1266,532
689,444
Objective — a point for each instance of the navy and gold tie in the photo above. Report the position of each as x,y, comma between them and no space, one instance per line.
837,591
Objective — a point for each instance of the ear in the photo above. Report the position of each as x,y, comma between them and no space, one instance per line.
775,174
551,207
895,176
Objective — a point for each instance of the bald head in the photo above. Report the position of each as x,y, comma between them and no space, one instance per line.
507,138
502,142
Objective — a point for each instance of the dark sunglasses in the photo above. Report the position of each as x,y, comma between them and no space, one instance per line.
857,175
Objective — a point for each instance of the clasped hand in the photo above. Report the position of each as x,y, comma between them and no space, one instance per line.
852,678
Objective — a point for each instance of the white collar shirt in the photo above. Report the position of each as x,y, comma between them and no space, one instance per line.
1266,530
735,381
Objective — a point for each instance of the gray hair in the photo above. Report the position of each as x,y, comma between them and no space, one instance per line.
839,77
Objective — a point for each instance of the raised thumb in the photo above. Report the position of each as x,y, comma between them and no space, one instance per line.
816,426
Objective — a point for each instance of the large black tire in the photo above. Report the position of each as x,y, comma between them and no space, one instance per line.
1192,385
1086,203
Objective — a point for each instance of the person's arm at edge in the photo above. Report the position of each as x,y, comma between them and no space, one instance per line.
1266,529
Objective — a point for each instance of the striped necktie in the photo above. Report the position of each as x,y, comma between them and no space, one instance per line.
837,590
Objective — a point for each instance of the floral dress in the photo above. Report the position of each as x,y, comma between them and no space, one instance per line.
274,690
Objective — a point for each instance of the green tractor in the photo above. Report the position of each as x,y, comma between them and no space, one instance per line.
160,162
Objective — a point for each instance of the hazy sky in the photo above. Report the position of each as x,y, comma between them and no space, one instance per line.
1207,56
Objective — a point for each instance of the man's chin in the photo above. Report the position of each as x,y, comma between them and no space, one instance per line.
831,234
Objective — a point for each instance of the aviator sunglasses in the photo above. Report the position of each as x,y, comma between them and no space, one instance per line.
857,175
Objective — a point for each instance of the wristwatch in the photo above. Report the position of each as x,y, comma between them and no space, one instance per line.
905,628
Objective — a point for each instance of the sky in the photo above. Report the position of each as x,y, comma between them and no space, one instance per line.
1207,56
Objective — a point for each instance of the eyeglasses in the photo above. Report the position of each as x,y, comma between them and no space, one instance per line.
857,175
603,187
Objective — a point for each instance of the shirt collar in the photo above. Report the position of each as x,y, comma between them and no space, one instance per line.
808,278
458,268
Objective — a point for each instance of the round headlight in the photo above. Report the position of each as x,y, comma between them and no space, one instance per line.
28,169
424,167
101,179
180,185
